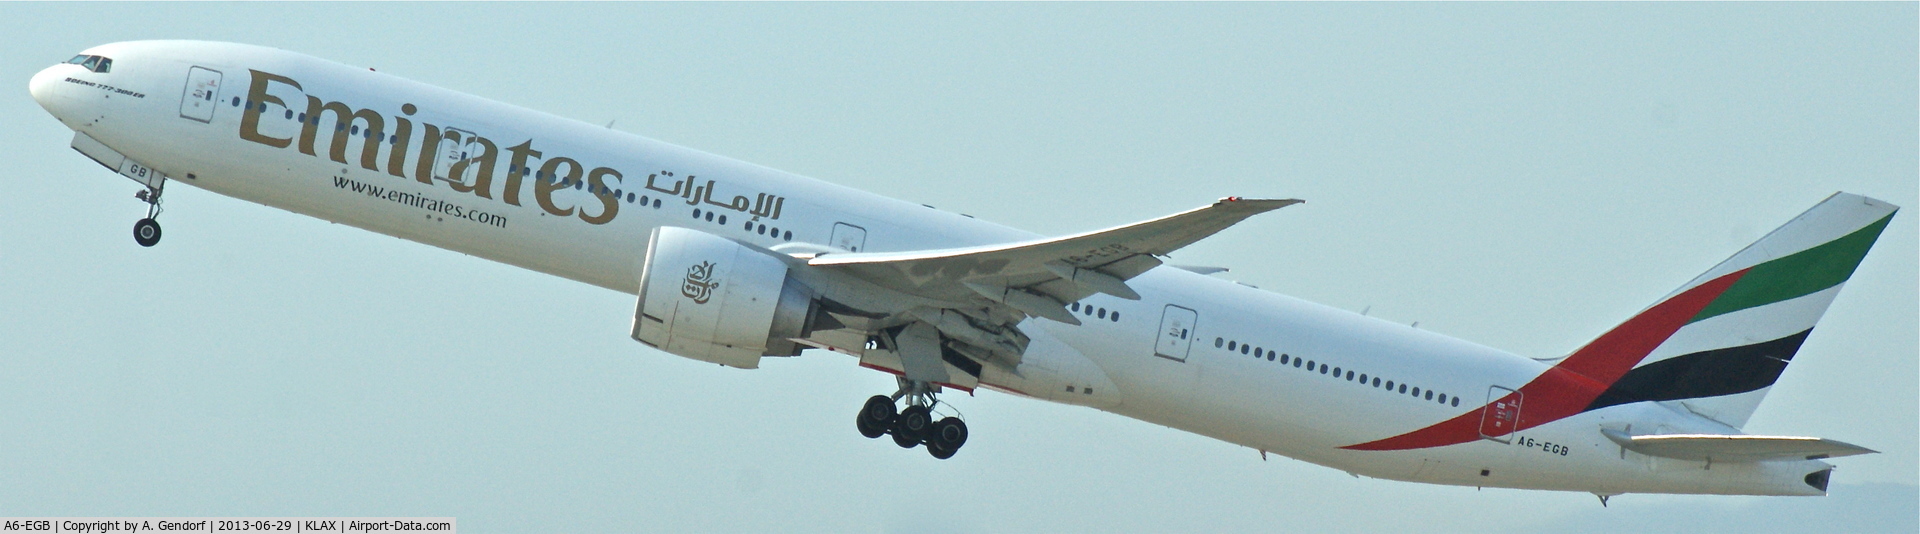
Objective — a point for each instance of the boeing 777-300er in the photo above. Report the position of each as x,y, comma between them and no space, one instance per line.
732,262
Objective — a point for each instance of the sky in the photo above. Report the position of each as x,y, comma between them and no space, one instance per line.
1518,175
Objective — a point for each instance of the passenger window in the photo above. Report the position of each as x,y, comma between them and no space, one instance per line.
1389,385
1443,398
1429,394
1103,313
1363,378
1456,401
1259,352
1233,345
1284,358
1243,349
1336,371
1416,392
1075,307
1269,355
1115,317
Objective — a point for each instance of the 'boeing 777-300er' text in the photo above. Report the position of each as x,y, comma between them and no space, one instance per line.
732,262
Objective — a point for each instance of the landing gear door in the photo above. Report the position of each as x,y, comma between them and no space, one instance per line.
198,101
1501,416
848,237
1176,333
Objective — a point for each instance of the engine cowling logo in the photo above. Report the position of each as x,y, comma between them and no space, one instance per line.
699,284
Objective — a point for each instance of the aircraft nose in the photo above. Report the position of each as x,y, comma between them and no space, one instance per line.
45,89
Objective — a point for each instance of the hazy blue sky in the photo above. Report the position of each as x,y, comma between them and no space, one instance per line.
1519,175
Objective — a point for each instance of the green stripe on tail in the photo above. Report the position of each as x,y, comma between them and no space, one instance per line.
1798,275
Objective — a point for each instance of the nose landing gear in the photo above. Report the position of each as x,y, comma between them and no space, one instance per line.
146,232
914,425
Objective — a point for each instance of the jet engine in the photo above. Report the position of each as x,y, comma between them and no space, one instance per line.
717,300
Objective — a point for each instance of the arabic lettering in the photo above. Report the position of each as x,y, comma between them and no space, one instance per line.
671,192
763,205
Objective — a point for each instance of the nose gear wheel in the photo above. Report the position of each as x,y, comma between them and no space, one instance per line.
146,232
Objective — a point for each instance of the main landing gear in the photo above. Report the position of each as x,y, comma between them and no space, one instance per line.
146,232
913,425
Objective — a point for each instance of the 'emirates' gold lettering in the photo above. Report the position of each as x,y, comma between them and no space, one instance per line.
467,160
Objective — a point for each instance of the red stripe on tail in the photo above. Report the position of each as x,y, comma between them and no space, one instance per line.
1571,386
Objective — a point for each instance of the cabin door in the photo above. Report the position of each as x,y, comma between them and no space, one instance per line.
456,145
199,99
848,237
1176,333
1501,416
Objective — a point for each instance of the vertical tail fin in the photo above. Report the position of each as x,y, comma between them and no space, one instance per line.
1754,311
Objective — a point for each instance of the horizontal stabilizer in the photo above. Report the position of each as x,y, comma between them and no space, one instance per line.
1735,447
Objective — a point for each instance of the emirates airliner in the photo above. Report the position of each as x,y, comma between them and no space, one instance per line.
731,262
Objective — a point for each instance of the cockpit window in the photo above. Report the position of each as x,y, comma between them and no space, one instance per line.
92,63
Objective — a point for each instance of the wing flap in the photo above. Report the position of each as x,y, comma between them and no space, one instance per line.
1735,447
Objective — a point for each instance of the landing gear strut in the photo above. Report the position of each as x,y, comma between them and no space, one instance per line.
146,232
914,425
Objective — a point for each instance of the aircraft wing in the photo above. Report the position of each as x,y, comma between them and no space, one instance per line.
1039,277
1735,448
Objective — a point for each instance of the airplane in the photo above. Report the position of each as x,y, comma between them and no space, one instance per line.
730,263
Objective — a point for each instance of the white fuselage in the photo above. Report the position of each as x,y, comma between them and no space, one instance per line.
1226,393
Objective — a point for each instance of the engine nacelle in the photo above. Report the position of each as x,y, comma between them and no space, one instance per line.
713,299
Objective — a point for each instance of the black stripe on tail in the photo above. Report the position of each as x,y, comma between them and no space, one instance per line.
1705,374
